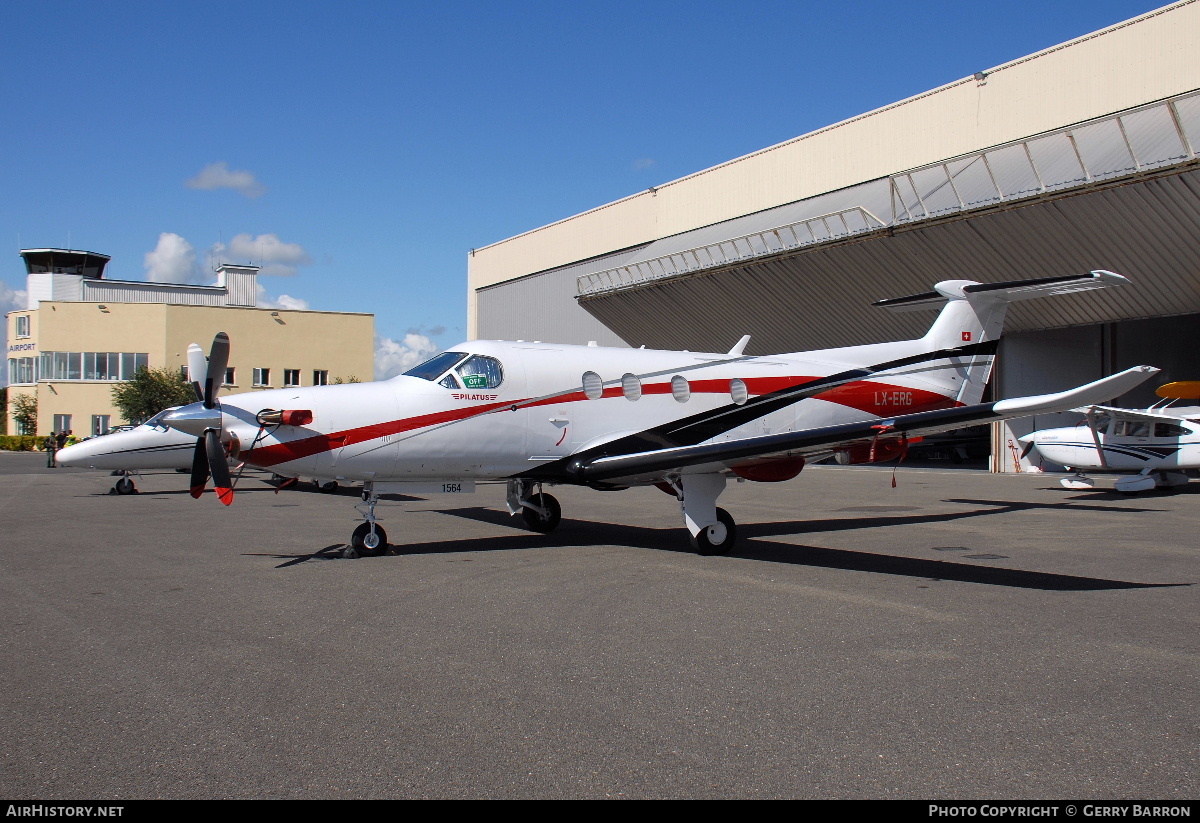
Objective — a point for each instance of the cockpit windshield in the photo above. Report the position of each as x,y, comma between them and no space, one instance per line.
436,366
156,420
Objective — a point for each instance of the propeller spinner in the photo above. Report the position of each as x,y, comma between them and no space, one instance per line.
203,419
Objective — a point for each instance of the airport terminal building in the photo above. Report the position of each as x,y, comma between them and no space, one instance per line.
1076,158
82,332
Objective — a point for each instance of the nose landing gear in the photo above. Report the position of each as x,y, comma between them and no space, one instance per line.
368,539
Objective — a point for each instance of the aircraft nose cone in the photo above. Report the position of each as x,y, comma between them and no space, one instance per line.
73,456
194,419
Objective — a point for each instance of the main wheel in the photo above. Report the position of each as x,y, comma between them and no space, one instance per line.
543,524
328,488
369,544
125,486
717,538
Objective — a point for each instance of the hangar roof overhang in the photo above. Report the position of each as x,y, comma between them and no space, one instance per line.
1119,193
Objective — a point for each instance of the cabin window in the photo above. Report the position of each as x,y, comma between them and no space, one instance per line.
631,386
481,372
680,390
593,385
1134,428
436,366
1169,430
738,392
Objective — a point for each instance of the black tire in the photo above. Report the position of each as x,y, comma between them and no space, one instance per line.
539,523
703,542
330,487
362,536
125,486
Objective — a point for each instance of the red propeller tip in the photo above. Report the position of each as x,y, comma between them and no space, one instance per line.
197,491
224,495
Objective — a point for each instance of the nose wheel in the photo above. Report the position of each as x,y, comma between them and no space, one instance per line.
368,540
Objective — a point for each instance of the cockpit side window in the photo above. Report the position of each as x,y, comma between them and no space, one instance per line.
481,372
449,382
1169,430
436,366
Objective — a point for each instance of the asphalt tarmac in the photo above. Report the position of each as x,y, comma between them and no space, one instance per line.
963,636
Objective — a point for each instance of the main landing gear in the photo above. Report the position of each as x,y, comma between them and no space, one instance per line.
539,510
712,529
368,539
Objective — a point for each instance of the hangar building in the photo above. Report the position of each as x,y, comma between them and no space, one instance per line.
81,332
1079,157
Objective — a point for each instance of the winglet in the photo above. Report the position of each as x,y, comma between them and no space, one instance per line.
737,350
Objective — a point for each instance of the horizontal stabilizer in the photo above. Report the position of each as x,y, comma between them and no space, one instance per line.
1008,291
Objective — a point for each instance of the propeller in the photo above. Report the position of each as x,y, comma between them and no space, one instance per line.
204,419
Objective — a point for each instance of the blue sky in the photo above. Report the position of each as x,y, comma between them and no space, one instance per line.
362,148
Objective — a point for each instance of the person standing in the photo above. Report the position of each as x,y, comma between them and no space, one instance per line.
50,444
61,438
71,438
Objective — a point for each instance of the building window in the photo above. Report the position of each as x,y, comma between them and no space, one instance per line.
320,377
22,370
99,424
94,365
23,326
62,422
291,377
262,377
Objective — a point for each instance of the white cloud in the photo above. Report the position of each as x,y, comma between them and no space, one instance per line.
12,299
284,301
276,257
219,176
644,163
172,261
394,357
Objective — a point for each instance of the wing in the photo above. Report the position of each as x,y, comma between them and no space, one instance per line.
647,465
1159,415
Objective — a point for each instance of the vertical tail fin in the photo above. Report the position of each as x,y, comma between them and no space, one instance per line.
973,318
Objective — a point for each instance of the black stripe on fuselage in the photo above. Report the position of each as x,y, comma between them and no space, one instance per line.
689,431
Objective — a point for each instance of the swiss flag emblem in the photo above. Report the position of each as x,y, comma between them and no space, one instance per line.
966,337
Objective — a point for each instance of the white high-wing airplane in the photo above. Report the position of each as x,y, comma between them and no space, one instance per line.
532,414
1157,443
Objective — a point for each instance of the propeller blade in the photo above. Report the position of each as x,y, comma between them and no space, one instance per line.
1028,448
199,468
218,359
197,369
217,464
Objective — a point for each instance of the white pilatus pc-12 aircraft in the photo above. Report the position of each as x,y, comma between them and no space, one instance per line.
533,415
1158,443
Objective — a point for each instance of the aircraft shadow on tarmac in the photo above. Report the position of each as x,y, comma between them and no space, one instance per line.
753,546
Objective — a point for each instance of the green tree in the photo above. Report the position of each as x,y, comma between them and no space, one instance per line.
3,409
149,392
25,413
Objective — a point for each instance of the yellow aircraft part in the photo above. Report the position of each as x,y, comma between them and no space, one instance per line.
1182,390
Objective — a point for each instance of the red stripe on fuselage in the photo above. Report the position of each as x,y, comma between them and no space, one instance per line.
879,399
